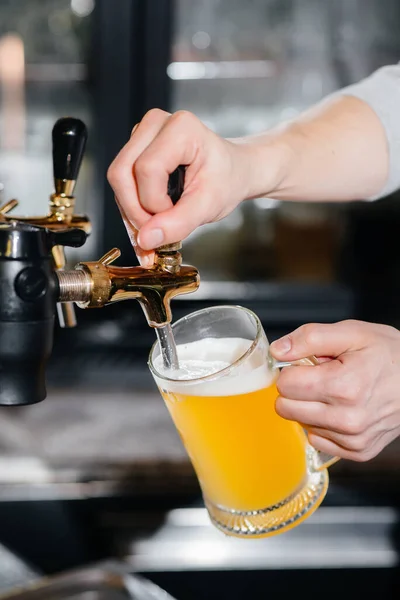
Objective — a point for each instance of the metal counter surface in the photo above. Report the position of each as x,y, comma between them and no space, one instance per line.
103,440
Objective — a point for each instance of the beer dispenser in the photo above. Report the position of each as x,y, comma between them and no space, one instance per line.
34,284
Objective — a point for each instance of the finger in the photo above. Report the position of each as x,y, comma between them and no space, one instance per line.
177,143
355,443
121,172
314,384
177,223
321,340
145,257
310,414
322,359
346,420
329,447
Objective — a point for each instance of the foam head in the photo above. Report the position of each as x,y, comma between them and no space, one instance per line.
204,368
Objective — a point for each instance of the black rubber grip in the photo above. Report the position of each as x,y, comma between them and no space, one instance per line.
176,184
69,141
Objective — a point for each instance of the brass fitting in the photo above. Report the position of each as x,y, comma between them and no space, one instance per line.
100,284
61,215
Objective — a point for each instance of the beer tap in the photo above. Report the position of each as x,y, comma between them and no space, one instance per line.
69,138
97,284
31,285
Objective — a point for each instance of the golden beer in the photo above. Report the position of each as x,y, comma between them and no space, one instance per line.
233,438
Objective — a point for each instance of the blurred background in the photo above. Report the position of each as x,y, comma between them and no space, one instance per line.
98,470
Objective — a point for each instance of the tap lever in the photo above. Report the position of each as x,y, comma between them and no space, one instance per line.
110,256
69,140
8,206
176,184
74,238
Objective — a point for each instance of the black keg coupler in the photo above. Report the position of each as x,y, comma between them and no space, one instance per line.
29,291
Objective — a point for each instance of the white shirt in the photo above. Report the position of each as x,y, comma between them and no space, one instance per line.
381,91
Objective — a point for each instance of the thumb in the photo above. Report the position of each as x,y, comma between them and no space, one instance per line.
321,340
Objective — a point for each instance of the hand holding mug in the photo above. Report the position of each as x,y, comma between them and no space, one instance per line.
349,403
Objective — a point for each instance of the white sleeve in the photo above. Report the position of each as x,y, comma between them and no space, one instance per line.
381,91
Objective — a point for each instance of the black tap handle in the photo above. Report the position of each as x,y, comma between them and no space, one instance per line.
176,184
19,240
69,141
75,238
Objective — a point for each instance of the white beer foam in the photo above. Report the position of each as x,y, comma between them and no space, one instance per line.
209,356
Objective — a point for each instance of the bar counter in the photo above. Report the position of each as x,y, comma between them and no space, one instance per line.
102,442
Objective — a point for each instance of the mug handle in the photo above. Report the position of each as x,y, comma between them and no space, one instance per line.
321,460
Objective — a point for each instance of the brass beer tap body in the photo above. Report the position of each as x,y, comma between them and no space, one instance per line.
97,284
69,139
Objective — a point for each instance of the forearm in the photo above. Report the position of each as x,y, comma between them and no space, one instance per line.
337,151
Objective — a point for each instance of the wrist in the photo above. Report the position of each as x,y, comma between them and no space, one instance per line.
265,163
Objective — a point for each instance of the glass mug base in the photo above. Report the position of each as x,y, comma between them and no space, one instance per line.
272,519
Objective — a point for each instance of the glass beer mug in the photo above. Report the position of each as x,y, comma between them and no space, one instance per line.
258,474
